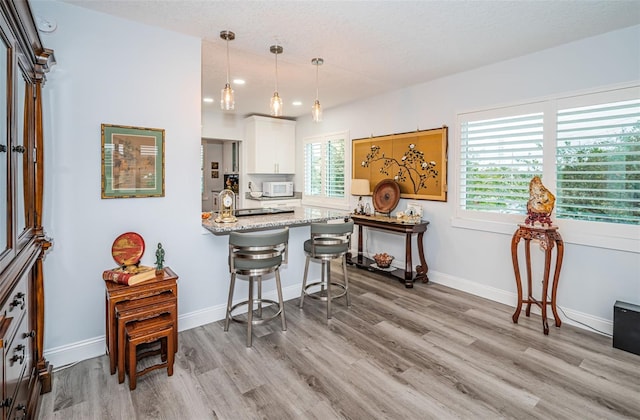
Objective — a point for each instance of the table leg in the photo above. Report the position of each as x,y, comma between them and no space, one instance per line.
422,269
408,264
111,328
548,245
556,278
530,299
360,254
516,268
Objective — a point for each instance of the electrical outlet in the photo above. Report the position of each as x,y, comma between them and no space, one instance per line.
249,184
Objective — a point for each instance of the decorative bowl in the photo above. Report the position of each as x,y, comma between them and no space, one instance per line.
383,260
256,194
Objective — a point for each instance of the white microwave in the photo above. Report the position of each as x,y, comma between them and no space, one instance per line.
277,189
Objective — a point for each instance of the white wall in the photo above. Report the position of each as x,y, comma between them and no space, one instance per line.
114,71
592,279
117,72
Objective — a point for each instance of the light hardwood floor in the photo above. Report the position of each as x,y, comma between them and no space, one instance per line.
424,353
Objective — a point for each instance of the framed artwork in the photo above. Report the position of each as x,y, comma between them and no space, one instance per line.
214,165
214,174
132,161
417,161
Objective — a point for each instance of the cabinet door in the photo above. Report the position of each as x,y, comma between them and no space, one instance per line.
270,145
5,191
23,163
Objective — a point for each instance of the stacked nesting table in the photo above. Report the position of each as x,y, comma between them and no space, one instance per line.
150,290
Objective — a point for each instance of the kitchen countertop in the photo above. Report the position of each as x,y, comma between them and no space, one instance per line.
300,216
295,196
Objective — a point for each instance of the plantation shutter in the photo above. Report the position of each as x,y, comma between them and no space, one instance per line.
598,162
313,169
498,158
334,175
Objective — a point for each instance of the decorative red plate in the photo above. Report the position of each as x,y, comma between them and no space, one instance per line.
127,249
386,195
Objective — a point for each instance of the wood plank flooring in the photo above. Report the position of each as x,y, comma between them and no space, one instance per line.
424,353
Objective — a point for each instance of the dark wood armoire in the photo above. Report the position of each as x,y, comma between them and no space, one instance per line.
23,243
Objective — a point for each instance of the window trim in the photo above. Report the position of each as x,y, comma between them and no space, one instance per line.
580,232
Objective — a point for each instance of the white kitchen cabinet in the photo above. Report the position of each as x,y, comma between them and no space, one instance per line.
270,145
280,203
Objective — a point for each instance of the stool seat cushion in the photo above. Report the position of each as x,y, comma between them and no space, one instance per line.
325,250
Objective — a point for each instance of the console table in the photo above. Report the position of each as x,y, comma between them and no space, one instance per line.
393,225
548,237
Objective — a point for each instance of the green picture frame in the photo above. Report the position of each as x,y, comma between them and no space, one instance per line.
132,161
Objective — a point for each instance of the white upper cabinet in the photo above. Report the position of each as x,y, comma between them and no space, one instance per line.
270,145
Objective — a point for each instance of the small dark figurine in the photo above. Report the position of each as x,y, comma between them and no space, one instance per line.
540,204
159,258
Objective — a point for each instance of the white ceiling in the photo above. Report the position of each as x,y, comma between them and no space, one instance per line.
368,47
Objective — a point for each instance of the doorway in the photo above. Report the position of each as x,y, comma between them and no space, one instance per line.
219,157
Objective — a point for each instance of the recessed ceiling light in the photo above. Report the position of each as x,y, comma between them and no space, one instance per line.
238,82
207,100
296,103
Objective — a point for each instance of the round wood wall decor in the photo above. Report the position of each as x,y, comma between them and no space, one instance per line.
386,195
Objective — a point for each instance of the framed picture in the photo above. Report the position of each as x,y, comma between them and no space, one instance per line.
414,209
214,165
214,174
417,161
132,161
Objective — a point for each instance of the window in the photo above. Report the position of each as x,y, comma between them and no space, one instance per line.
324,170
586,148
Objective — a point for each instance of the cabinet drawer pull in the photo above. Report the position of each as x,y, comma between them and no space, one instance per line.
30,334
3,148
19,149
6,403
16,357
18,300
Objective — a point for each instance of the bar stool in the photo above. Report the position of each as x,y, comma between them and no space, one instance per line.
139,310
150,330
254,255
328,241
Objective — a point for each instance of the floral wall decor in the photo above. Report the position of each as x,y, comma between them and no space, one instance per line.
417,161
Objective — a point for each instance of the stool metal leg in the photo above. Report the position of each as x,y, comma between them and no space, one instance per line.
326,267
229,301
250,311
259,296
281,301
304,282
346,280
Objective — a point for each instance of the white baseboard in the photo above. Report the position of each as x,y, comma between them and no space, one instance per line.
569,316
95,347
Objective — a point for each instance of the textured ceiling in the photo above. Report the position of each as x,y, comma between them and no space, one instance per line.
368,47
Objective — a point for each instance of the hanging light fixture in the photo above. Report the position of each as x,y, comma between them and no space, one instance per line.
316,109
227,101
276,101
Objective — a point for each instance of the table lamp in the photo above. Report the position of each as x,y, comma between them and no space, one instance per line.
360,187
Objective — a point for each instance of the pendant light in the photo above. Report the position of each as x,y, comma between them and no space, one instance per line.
227,101
316,109
276,101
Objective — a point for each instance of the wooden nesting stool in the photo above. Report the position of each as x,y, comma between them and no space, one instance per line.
116,293
150,330
139,310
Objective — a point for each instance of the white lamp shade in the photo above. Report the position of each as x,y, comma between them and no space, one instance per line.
360,187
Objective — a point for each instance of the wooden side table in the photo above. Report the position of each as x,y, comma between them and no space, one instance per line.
548,237
393,225
116,293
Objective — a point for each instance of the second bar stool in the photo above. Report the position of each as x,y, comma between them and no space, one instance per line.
254,255
328,241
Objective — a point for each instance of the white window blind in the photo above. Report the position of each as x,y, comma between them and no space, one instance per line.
498,158
598,162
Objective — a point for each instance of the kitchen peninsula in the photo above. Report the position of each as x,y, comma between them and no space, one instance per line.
300,216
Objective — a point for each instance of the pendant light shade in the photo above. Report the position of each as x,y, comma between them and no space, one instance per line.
276,100
227,100
316,109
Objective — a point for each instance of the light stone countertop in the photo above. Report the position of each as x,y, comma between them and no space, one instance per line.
301,216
